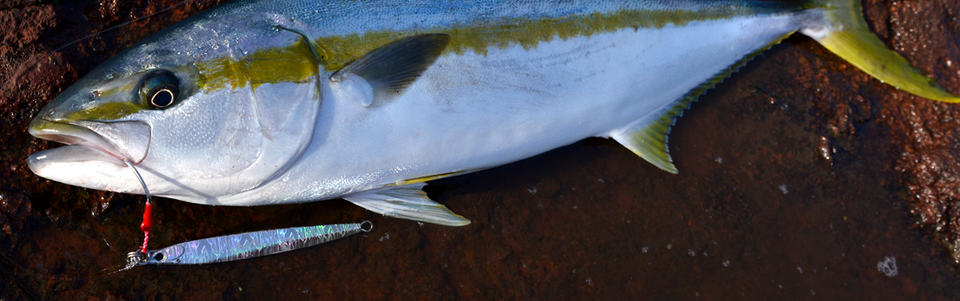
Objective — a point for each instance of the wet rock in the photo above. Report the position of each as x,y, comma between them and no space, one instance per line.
20,27
15,209
8,4
546,227
926,133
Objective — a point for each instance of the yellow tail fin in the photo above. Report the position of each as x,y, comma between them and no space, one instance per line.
846,34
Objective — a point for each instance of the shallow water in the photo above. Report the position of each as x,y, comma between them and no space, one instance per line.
778,197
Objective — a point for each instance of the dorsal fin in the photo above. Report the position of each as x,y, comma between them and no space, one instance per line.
390,69
647,137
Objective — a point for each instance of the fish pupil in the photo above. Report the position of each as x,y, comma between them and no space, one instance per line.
160,89
162,98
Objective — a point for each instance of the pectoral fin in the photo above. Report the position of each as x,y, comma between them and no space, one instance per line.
388,71
407,202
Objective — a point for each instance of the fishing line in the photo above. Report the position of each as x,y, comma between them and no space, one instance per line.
235,246
34,61
147,209
13,276
112,269
208,250
17,269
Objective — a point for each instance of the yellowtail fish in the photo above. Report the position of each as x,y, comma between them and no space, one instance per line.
271,102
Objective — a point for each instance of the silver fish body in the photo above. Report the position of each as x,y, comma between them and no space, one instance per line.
268,102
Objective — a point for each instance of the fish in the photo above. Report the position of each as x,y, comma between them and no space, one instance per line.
273,102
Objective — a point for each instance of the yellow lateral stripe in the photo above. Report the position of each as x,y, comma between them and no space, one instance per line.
111,110
478,38
292,63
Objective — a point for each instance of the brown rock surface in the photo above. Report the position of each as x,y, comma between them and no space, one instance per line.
799,177
928,34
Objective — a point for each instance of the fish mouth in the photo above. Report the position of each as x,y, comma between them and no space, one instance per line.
122,140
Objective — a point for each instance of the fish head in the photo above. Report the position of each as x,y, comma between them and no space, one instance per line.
110,109
196,125
107,117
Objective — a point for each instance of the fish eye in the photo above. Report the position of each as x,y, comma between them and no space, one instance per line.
160,89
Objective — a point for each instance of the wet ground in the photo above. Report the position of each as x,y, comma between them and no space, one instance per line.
800,178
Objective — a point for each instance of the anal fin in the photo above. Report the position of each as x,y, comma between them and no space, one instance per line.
648,137
407,202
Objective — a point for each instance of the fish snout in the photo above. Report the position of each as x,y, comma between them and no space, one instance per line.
128,140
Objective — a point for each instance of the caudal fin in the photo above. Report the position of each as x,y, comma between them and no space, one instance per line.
846,34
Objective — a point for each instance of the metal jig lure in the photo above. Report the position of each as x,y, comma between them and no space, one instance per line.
236,246
245,245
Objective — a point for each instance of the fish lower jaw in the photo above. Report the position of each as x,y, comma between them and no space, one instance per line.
81,166
111,156
72,154
75,135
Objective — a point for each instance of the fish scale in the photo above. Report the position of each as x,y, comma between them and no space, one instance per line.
296,101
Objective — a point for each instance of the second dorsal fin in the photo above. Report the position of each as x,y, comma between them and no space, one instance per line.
390,69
